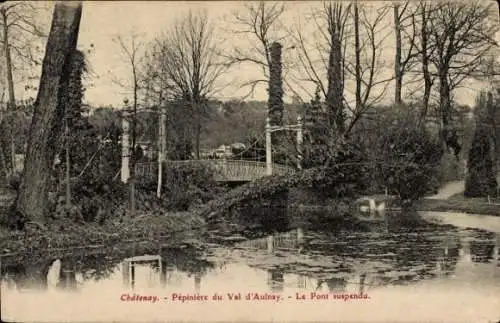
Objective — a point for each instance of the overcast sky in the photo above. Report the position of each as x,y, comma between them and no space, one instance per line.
102,20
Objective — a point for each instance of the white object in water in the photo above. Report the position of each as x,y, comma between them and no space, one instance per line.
364,208
372,206
53,276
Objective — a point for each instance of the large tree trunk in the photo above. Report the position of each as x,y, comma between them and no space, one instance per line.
425,64
357,47
444,98
33,199
449,133
198,134
334,96
397,62
275,99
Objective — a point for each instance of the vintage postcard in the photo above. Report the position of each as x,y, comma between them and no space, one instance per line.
214,161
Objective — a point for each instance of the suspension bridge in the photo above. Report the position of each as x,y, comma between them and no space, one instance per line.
224,170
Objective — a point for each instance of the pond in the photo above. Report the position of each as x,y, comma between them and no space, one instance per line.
372,272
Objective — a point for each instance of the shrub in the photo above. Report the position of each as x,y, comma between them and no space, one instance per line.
343,175
408,158
183,185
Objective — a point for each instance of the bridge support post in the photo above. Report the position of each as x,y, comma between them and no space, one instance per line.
125,168
269,152
299,142
162,144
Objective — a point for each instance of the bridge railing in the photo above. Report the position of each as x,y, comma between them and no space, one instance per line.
225,169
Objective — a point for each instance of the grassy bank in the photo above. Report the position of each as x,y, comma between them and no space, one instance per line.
64,233
464,205
100,211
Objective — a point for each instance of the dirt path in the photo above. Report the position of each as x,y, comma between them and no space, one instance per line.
451,188
447,190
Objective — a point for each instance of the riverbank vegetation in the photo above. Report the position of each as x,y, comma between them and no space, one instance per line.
463,205
356,139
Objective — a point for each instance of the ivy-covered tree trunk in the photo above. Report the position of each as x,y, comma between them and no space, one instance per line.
81,132
480,181
335,93
275,100
33,198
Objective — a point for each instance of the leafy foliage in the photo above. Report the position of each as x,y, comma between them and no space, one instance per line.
409,158
341,177
184,185
79,132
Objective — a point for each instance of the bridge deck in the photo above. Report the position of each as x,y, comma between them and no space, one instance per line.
225,170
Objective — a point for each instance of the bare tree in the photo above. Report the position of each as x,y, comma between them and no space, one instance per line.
19,29
405,34
347,47
130,48
425,51
32,202
260,23
461,34
322,62
191,66
370,88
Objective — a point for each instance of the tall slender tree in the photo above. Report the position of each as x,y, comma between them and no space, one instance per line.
335,93
404,55
19,30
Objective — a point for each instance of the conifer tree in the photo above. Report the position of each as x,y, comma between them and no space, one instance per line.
480,181
316,132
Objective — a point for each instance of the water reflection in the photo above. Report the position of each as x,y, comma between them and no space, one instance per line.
336,284
276,280
482,251
448,256
335,261
483,248
67,279
150,265
24,277
292,240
